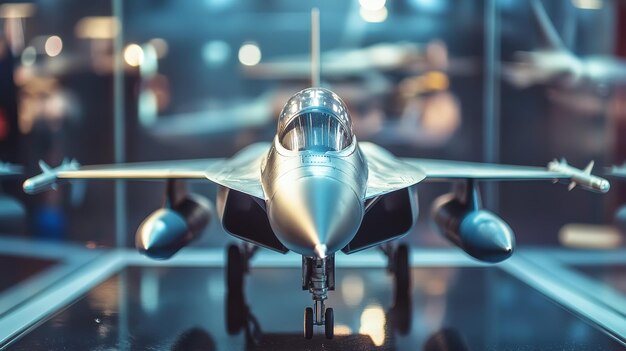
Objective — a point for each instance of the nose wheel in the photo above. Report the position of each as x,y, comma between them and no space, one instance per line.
318,276
311,319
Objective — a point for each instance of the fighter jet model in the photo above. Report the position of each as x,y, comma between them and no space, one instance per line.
315,190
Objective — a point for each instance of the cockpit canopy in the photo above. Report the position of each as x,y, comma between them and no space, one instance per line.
315,120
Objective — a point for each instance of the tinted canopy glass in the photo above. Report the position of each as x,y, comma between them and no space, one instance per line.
316,131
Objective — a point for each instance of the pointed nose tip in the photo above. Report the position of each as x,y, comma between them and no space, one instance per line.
161,235
486,237
320,250
315,216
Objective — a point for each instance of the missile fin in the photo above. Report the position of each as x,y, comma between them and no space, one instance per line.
571,186
589,167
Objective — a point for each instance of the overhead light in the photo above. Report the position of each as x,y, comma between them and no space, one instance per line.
216,52
17,10
249,54
375,16
53,46
590,236
99,27
372,5
133,55
588,4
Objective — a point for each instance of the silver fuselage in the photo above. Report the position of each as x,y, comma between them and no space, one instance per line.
314,197
314,201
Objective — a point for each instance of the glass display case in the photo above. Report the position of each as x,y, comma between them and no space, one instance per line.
496,81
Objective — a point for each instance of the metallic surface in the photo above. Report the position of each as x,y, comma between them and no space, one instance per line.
169,229
480,233
48,179
583,178
316,215
437,170
314,200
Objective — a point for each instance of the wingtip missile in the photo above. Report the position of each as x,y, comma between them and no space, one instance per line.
582,177
48,179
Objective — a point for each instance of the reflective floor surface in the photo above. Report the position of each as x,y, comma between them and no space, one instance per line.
182,306
23,268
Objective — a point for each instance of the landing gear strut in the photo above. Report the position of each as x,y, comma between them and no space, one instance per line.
318,277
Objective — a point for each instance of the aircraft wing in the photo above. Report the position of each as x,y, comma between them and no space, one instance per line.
444,170
387,173
241,172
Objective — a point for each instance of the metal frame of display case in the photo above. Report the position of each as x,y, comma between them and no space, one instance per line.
81,269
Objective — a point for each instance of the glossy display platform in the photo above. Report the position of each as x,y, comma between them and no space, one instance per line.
120,300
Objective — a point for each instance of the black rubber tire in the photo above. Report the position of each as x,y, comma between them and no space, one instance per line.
234,269
235,313
401,313
329,323
308,323
402,271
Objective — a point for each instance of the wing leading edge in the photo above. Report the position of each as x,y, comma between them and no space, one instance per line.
386,173
444,170
241,172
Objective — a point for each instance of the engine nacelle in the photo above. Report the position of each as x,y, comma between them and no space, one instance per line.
168,229
479,232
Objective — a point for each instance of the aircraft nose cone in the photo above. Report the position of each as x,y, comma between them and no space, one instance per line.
315,216
486,237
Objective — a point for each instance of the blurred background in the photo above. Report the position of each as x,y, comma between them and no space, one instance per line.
517,82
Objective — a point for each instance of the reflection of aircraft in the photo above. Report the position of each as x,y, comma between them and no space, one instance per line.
558,64
12,212
398,317
194,339
444,340
314,190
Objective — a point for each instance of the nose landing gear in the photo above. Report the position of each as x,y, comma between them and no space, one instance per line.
318,277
